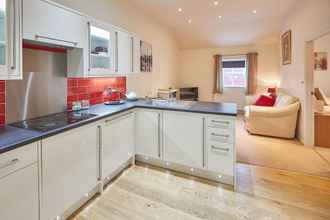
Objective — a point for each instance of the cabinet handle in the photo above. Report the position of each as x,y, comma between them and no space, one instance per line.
10,163
56,39
220,135
220,148
220,122
13,57
132,64
100,151
204,148
89,46
159,147
116,69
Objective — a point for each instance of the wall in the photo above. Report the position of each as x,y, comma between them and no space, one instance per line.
165,48
307,21
197,69
322,78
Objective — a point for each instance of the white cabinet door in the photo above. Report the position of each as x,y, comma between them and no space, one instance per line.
136,55
69,169
124,52
148,133
19,195
52,23
10,39
184,138
117,142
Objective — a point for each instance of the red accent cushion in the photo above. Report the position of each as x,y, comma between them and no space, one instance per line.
265,100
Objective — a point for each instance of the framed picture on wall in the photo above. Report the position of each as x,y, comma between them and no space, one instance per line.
146,57
321,61
286,48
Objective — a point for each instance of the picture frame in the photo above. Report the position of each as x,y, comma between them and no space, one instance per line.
321,61
286,44
146,59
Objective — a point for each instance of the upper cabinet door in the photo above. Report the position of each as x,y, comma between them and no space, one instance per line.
101,52
10,39
51,23
124,53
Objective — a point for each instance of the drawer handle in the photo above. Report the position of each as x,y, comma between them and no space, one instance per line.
220,148
220,122
220,135
10,163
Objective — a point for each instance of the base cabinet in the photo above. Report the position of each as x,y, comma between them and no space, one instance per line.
117,145
148,133
184,139
69,169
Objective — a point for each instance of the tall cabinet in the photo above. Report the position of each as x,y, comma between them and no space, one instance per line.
10,39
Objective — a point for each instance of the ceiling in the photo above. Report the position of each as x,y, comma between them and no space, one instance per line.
238,25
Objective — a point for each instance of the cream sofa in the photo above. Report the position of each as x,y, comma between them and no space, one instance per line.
277,121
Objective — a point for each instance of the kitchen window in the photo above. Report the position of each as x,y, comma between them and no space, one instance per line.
234,72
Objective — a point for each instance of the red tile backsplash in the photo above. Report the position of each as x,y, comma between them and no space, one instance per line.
92,89
2,102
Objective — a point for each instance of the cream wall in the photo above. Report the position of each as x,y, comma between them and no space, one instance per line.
322,78
197,69
165,49
309,20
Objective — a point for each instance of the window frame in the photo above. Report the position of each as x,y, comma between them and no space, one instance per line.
235,58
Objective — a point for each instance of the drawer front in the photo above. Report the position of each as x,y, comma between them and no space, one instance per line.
17,159
220,123
219,135
220,158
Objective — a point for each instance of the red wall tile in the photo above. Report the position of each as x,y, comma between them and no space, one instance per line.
2,102
92,89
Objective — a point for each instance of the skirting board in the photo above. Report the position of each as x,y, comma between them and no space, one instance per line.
210,175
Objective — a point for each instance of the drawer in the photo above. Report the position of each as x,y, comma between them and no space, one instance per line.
220,123
17,159
220,158
219,135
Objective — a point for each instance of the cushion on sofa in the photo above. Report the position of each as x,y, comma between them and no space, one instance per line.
284,100
265,100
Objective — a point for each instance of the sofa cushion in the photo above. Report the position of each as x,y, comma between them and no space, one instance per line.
265,100
284,100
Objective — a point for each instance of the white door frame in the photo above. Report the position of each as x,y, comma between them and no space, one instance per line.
309,88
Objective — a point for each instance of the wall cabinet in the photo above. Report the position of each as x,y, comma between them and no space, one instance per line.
184,139
69,169
48,22
117,145
124,53
148,133
19,184
10,39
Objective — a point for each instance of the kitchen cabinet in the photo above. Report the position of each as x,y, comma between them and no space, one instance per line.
148,133
10,39
124,53
52,23
136,54
117,145
19,184
184,139
69,169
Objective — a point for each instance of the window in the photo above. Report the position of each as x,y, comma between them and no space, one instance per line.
234,72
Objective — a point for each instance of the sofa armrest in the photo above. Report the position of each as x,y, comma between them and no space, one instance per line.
272,112
251,99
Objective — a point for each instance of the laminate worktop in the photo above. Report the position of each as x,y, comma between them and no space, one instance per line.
12,137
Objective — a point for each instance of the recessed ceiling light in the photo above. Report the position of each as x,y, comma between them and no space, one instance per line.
220,17
179,9
189,21
254,11
216,3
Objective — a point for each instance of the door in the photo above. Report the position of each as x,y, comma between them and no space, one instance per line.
148,133
10,39
117,143
19,194
52,23
69,169
184,138
101,53
124,53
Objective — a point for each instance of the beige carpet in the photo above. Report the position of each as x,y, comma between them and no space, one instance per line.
280,153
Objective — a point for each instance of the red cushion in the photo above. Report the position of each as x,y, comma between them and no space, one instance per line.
265,100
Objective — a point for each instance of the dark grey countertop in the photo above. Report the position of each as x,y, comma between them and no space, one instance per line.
12,137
